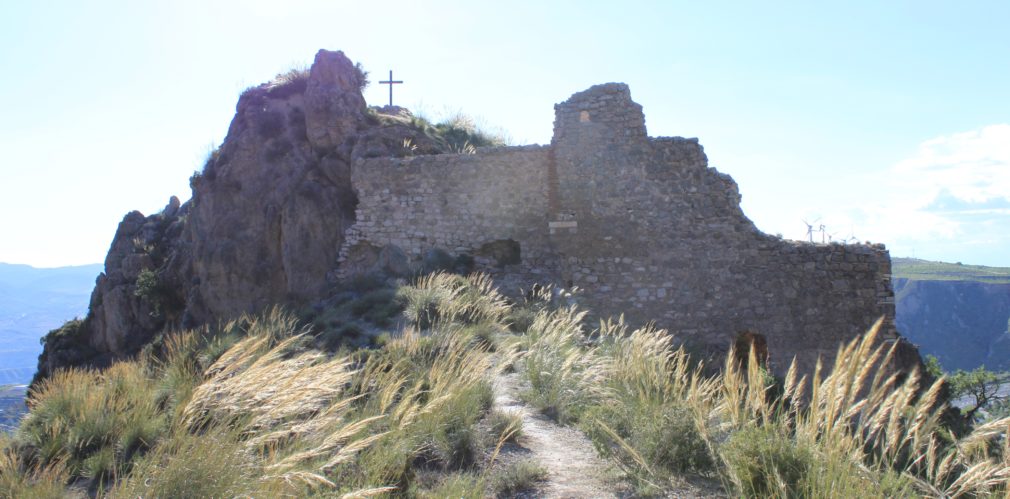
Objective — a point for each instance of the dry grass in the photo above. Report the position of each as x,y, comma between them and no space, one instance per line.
858,427
565,378
253,410
21,479
93,423
443,298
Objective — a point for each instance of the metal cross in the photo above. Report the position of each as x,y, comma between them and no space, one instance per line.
390,82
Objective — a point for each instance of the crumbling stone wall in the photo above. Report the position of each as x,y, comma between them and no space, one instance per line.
479,206
642,225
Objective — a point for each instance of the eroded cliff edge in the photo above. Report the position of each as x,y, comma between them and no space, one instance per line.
311,187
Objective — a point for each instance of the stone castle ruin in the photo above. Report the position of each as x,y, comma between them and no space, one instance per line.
310,187
642,225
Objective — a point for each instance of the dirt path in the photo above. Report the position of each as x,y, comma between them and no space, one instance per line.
574,469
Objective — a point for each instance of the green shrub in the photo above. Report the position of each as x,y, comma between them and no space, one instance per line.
71,331
150,288
765,462
520,319
211,464
506,424
19,479
517,477
456,486
147,285
93,422
362,76
455,439
565,379
363,283
379,306
437,260
664,436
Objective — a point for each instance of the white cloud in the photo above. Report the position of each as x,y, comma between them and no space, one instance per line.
972,166
950,199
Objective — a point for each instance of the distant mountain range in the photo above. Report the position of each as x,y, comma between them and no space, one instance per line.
958,313
32,302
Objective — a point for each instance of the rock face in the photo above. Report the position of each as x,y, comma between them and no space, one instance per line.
264,225
310,186
275,201
139,293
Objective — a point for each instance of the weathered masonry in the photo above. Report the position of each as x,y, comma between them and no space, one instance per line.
642,225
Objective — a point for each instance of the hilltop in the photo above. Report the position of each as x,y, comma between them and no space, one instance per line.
358,303
312,189
925,270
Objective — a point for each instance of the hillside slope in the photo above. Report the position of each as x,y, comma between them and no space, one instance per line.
958,313
469,396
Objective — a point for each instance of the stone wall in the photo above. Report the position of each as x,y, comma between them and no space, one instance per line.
473,205
642,225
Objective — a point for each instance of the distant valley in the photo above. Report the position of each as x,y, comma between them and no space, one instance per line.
12,406
958,313
32,302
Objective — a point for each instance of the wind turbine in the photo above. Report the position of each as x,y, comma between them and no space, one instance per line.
810,228
852,239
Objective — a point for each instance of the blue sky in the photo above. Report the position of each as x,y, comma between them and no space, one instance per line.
888,122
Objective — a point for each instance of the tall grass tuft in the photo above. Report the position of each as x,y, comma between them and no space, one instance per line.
19,478
446,298
93,422
565,378
213,463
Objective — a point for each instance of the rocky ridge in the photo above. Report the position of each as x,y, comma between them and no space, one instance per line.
264,225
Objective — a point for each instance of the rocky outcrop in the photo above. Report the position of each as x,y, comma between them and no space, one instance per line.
137,295
264,225
274,202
